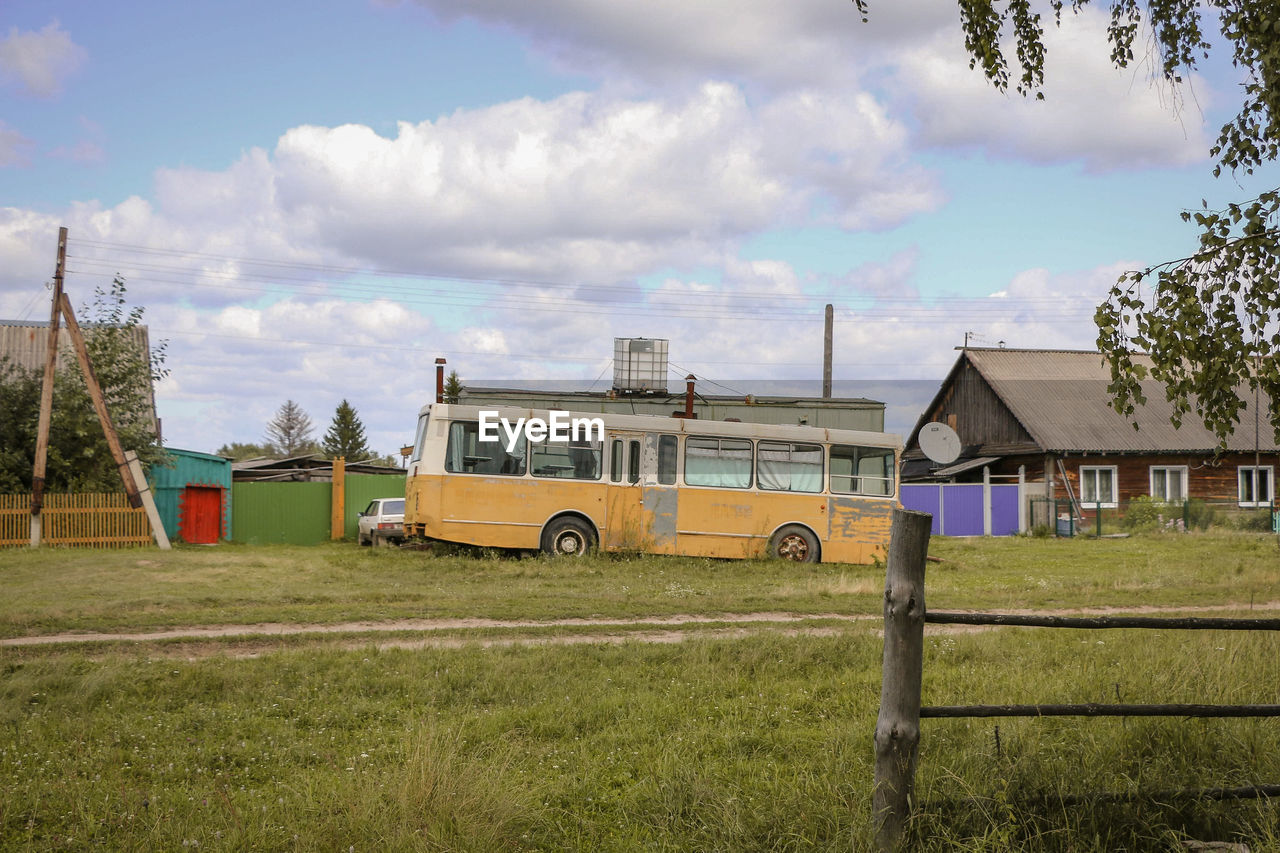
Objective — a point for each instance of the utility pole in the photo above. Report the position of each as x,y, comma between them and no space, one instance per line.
46,395
100,404
826,353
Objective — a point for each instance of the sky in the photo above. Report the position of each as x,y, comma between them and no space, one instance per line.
314,202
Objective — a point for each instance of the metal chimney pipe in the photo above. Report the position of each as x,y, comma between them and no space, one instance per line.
440,363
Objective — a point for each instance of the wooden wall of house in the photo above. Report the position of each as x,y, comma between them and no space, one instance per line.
973,410
1207,478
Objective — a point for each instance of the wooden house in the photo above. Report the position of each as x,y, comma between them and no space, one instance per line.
1047,414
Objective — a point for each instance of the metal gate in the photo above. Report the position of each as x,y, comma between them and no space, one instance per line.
968,509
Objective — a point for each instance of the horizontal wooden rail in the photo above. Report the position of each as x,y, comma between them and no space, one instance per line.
1243,792
1094,709
1171,622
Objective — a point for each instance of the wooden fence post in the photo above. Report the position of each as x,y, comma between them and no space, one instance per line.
338,499
897,736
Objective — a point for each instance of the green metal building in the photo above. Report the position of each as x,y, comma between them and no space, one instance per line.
193,496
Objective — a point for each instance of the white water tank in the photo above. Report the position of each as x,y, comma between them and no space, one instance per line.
640,365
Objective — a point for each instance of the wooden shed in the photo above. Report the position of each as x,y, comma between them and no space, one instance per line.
193,496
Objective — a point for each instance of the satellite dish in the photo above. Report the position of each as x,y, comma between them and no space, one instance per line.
940,443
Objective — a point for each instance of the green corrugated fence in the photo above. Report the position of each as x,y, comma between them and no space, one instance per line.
280,513
299,513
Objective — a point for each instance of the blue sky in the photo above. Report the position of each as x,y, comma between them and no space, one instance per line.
314,202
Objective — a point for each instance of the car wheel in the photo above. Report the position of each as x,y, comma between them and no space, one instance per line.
794,543
568,537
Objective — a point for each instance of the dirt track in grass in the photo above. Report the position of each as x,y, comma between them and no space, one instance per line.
253,640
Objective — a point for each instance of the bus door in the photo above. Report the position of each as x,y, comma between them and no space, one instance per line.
624,521
642,492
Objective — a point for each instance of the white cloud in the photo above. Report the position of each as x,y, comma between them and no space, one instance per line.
1092,113
37,63
590,185
586,187
800,43
14,147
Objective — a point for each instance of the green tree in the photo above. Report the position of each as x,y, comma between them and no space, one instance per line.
1210,321
240,451
452,387
78,458
346,436
290,430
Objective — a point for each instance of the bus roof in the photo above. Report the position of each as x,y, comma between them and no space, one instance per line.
687,426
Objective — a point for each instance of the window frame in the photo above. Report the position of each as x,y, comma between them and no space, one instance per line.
1241,470
1181,470
1115,486
462,424
890,484
720,439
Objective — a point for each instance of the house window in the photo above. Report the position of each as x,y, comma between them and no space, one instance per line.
1255,485
1097,485
1169,483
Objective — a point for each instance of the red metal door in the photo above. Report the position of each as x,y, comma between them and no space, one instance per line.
201,516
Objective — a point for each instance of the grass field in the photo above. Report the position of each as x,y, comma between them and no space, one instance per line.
755,740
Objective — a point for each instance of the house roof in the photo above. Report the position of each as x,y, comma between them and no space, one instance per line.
1060,397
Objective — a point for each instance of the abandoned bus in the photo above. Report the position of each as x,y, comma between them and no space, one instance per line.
566,483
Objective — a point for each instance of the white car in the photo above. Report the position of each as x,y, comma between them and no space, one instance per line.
382,522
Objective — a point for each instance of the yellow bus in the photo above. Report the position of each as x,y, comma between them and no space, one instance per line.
505,478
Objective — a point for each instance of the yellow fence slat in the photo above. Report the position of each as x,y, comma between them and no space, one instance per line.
76,520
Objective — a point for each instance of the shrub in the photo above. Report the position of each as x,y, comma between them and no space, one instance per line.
1200,515
1144,513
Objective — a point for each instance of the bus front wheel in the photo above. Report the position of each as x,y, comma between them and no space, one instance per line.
794,543
567,537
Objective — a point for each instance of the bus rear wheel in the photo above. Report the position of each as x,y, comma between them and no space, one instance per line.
568,537
794,543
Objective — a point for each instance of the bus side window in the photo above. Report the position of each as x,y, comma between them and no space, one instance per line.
861,470
668,447
633,462
615,462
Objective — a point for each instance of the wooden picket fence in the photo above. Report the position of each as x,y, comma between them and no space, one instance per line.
76,520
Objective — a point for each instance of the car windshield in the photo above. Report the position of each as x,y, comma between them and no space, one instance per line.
393,507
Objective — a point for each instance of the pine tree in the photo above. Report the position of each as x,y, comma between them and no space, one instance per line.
290,430
346,435
452,388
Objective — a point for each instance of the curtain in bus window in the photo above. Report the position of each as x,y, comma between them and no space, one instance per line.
467,454
790,467
723,462
573,460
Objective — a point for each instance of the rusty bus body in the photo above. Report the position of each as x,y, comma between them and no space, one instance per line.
656,485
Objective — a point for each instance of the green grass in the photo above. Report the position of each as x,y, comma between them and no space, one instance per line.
58,590
761,743
757,742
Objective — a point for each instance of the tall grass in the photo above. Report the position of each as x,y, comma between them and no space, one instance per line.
758,743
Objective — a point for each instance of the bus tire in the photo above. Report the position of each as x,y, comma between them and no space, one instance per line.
568,537
794,543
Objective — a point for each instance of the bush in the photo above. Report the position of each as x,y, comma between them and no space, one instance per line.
1256,520
1200,515
1145,514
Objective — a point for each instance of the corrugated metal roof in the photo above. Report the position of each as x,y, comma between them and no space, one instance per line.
1061,398
25,342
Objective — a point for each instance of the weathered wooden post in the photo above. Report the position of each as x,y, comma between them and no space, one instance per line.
897,736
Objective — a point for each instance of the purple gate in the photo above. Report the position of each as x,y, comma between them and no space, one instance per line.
958,508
